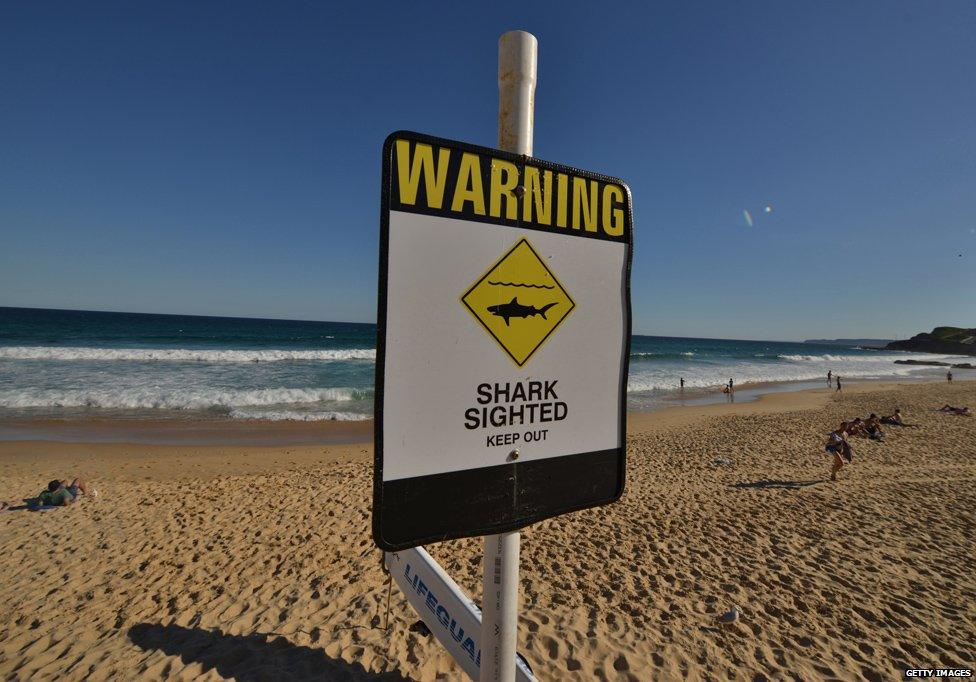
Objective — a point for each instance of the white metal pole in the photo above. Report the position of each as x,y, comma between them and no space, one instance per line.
517,57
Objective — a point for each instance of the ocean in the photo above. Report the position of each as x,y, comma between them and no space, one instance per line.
78,364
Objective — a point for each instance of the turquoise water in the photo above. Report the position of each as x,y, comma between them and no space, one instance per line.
124,365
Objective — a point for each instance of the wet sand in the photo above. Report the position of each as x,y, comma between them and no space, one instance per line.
187,431
255,562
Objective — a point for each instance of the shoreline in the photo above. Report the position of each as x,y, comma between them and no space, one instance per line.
220,435
201,432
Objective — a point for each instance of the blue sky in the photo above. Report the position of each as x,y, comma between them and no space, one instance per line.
224,158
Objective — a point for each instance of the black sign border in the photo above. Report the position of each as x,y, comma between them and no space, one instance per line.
428,486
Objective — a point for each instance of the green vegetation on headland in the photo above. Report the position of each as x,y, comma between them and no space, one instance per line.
945,340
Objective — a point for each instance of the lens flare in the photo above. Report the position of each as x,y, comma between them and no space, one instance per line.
748,217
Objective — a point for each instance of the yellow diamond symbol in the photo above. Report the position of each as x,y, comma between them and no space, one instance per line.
519,302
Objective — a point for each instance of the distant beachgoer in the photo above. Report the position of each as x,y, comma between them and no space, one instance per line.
682,382
949,377
828,376
731,386
838,382
961,411
837,445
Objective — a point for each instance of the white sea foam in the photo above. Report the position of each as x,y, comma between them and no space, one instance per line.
150,397
49,378
836,358
654,377
179,354
866,358
299,415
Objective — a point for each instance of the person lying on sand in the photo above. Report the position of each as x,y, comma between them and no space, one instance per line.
869,428
894,419
872,426
855,427
61,493
962,411
57,494
837,445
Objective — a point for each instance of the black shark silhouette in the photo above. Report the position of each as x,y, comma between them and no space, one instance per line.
515,309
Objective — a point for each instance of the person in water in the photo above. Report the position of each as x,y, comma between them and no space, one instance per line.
949,377
828,376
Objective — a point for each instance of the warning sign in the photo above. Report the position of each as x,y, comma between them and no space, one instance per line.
538,303
503,336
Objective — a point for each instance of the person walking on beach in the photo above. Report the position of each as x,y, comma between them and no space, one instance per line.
837,445
838,382
682,383
949,377
828,377
731,386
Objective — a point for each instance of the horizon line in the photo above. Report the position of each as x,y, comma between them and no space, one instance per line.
288,319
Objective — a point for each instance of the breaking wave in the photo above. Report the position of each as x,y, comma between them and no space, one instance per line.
179,354
199,399
662,356
300,416
650,376
869,358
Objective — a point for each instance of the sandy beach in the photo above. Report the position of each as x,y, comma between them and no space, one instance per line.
256,562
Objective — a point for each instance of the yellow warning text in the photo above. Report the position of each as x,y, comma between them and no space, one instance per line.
428,178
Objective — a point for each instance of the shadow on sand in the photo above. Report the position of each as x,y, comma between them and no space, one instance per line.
249,658
790,485
29,504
